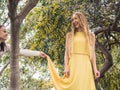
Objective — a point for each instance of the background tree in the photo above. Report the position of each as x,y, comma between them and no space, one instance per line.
45,27
104,19
15,21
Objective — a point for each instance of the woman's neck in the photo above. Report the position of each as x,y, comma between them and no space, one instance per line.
79,30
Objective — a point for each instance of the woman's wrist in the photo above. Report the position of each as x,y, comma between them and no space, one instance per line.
95,70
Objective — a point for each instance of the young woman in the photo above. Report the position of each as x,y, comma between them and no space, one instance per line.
80,59
5,47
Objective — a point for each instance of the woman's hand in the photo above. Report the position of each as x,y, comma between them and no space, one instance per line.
66,71
97,74
42,54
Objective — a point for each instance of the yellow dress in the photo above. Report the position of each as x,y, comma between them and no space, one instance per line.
81,75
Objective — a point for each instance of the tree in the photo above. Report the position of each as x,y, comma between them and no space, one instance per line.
104,17
16,20
47,25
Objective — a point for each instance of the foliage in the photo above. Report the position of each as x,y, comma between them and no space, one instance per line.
3,12
44,29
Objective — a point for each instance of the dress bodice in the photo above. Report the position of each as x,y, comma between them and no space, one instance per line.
80,43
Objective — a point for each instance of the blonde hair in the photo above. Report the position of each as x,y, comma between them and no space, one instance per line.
84,25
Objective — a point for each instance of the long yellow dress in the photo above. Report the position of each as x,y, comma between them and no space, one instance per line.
81,75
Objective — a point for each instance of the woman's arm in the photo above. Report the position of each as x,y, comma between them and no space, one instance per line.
94,56
66,59
96,72
27,52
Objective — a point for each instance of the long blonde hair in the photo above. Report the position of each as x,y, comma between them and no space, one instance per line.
84,25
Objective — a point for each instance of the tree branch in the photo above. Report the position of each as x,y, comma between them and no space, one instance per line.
4,67
114,25
26,9
116,40
108,62
117,29
12,8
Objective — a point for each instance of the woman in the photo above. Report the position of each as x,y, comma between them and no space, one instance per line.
79,58
4,47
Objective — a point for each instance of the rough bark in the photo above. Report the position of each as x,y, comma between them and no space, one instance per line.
108,57
16,20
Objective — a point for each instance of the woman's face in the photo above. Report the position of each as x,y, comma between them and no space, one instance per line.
3,34
75,21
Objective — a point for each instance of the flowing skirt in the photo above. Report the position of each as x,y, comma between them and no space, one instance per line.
81,75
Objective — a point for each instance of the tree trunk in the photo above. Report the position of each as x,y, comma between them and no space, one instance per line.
16,20
14,64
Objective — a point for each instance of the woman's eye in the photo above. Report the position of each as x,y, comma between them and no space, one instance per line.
75,18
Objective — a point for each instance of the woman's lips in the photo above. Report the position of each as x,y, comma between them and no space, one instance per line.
76,24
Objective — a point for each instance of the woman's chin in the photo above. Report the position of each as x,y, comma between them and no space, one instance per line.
76,28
